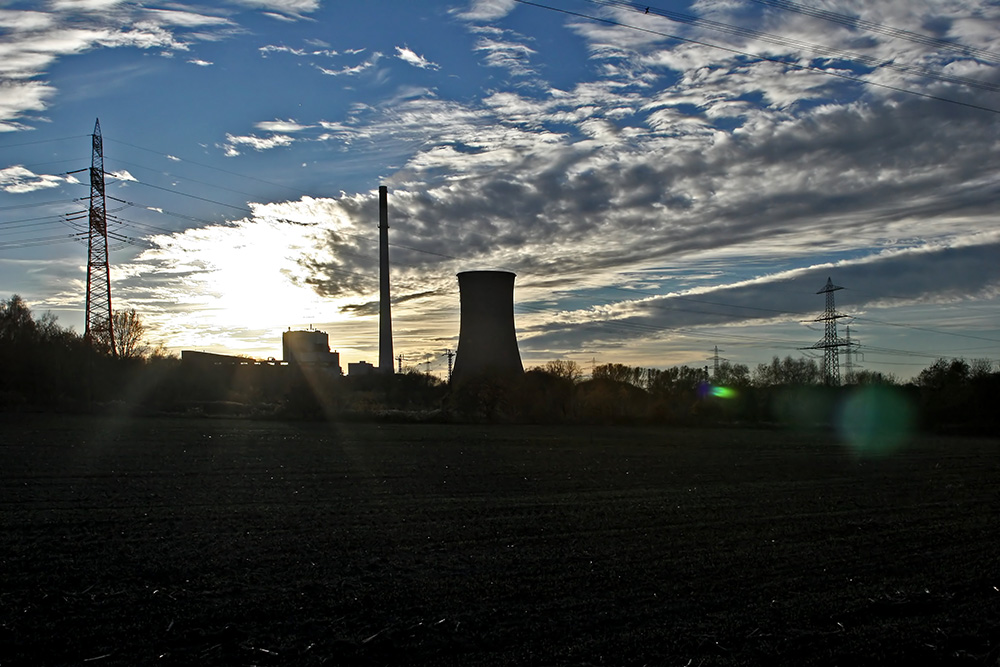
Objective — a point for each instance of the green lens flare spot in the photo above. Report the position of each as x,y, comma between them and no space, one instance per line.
877,420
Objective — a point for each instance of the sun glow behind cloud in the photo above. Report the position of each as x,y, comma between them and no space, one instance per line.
245,279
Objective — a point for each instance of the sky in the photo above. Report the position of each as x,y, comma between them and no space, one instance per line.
665,180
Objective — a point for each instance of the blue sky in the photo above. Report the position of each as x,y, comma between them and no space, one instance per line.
657,197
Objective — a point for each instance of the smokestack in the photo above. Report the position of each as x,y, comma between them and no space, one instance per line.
487,344
384,305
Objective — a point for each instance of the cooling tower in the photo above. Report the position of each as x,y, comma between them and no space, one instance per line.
487,344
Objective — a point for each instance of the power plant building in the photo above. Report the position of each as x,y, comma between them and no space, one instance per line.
360,368
487,342
308,348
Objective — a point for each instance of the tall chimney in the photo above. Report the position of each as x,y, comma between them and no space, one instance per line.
384,305
487,342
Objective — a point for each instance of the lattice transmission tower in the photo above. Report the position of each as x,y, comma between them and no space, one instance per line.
716,359
851,354
99,324
831,342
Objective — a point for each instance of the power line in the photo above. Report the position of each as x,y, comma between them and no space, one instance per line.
875,63
243,209
786,311
39,241
641,328
926,329
871,26
183,178
8,230
37,204
249,211
757,56
170,156
41,217
46,141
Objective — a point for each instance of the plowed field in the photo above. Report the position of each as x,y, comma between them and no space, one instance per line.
178,542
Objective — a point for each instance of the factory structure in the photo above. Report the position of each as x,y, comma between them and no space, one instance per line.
487,342
308,348
300,349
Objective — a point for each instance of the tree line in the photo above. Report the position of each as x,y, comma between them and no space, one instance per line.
48,367
950,394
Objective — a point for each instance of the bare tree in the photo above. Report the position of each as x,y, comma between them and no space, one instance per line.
129,331
564,368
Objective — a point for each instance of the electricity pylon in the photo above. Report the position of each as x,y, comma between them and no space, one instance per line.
715,359
831,342
99,321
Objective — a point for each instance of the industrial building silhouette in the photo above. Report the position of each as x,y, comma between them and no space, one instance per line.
487,342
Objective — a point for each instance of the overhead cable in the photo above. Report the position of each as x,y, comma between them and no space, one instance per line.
889,31
875,63
757,56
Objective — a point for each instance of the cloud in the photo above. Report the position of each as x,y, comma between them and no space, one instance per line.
19,97
200,63
487,10
283,8
329,53
370,62
85,5
122,175
281,126
408,56
237,286
25,21
273,48
505,49
892,278
35,40
233,142
18,180
371,308
183,18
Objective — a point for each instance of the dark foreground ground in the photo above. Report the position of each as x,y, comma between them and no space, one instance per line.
231,542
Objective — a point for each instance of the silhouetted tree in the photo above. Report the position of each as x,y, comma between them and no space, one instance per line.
787,371
980,368
619,373
944,375
40,362
547,397
129,331
486,398
562,368
868,377
16,323
129,334
732,375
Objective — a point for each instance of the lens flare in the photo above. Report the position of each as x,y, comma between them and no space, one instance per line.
723,392
877,420
706,389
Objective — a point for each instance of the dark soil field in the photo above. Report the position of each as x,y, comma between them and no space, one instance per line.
179,542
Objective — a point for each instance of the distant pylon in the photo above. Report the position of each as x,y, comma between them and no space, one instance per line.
715,361
451,355
831,343
99,322
850,353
